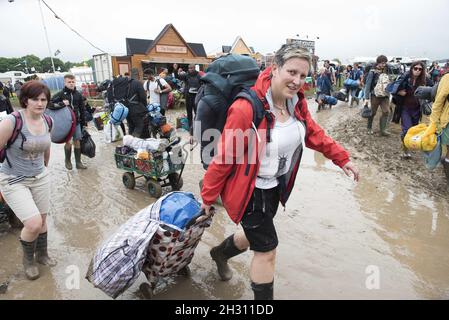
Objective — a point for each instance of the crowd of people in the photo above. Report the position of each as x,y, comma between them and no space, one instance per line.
25,180
406,107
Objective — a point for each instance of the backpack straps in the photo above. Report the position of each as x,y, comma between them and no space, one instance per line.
49,121
18,123
259,112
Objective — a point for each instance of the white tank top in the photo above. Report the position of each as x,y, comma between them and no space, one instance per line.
286,137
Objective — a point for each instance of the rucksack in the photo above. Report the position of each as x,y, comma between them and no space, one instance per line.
120,92
15,133
228,78
380,89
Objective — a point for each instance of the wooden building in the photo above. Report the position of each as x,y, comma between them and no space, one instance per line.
240,47
168,48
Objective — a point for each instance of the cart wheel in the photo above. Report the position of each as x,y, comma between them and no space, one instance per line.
146,290
175,184
128,180
154,188
185,272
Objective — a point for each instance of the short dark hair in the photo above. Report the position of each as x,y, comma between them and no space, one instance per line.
69,76
148,72
32,89
381,59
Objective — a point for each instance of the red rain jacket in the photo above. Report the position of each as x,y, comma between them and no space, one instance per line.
234,177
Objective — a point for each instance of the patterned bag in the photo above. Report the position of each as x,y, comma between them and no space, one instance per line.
171,250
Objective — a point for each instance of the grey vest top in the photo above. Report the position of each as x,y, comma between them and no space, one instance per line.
28,162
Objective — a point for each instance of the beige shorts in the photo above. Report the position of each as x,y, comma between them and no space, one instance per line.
28,197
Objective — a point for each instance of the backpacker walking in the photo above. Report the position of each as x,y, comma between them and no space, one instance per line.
251,187
24,177
375,85
192,85
73,99
130,92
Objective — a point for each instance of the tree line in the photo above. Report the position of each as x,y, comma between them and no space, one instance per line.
33,64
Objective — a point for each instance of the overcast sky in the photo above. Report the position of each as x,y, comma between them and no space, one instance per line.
346,29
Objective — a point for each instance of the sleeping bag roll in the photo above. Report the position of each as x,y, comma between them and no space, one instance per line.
64,124
119,114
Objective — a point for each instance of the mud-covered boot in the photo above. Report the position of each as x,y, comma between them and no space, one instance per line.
262,291
446,170
41,251
79,164
29,264
370,125
68,156
383,123
405,152
221,253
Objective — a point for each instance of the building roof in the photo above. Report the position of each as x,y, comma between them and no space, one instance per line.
137,46
142,46
226,49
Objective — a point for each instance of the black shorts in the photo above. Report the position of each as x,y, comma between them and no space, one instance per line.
257,221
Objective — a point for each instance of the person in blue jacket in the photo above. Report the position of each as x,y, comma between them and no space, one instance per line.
324,87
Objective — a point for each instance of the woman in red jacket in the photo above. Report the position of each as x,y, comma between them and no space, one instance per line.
253,182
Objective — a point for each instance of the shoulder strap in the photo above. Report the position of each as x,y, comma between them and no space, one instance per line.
160,84
259,112
15,133
49,121
17,128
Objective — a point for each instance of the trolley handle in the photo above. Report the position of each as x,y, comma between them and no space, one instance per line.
199,214
174,142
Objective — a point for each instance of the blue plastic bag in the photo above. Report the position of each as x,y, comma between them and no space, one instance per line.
179,208
433,158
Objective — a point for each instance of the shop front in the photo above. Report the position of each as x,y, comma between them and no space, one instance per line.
168,50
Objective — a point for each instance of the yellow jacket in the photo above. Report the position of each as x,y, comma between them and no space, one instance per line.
440,108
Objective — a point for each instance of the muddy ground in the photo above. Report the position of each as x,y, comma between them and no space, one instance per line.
385,153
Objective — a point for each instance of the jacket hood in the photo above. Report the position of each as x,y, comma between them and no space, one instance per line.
263,84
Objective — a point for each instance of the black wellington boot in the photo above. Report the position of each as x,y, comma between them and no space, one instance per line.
29,264
383,124
262,291
79,164
41,251
221,253
68,156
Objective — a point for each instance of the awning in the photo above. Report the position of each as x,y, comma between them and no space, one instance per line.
177,60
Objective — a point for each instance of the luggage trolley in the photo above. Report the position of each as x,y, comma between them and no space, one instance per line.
156,174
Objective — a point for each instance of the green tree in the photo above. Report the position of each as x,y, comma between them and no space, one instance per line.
4,64
68,65
32,61
47,67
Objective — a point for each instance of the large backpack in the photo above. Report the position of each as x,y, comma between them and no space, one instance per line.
380,89
228,78
18,124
